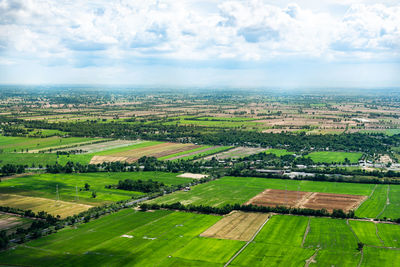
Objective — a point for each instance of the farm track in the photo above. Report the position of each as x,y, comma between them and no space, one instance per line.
312,258
245,245
306,233
377,234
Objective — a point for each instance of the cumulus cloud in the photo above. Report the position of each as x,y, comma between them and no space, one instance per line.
76,32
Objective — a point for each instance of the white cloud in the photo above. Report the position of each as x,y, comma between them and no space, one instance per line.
76,32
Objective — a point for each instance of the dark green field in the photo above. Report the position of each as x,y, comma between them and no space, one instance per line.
44,185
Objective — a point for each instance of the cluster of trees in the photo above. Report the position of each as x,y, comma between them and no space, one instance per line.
28,213
249,208
369,143
148,186
9,169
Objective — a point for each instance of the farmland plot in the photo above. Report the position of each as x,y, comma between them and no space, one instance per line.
239,190
157,150
10,222
131,238
237,152
237,226
36,204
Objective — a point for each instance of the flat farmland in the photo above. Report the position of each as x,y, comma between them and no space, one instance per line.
195,153
150,149
375,204
279,243
237,226
10,223
279,152
129,237
310,200
11,144
237,152
36,204
44,185
232,190
108,145
392,207
334,157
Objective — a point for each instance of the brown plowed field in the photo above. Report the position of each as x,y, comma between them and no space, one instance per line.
237,226
309,200
333,201
133,155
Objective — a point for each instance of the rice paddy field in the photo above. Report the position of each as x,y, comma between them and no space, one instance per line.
232,190
71,186
168,238
334,157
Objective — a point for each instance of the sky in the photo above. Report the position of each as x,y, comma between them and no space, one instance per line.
234,43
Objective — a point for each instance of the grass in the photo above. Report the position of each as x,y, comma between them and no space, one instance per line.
184,152
392,210
366,232
380,257
232,190
44,185
9,144
278,243
208,153
279,152
390,234
283,230
159,238
327,233
375,204
334,157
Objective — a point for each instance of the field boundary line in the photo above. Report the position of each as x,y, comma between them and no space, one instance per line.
361,258
387,202
377,234
306,232
351,229
248,242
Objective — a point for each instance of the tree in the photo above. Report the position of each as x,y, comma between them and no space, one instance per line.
94,195
87,187
360,246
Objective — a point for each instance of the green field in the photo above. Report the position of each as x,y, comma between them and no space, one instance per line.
161,238
334,157
279,152
232,190
44,185
375,204
392,209
11,144
208,153
168,238
219,122
184,152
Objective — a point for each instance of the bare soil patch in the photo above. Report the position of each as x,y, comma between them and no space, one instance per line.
236,226
192,175
309,200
